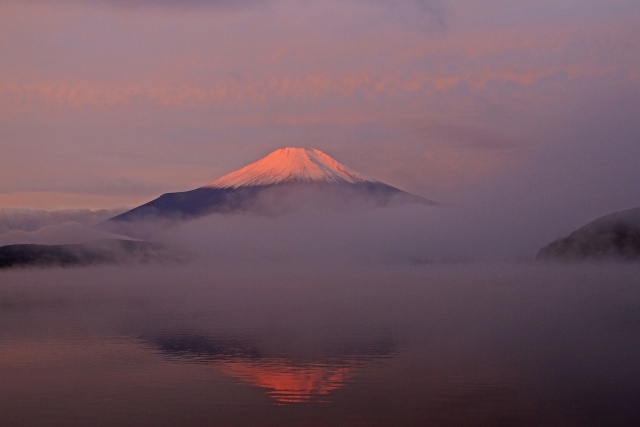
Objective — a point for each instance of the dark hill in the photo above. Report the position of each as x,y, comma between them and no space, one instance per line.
611,237
74,255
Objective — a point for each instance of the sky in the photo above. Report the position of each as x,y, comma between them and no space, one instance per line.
508,108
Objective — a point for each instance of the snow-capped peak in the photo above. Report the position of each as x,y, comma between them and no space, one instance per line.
291,165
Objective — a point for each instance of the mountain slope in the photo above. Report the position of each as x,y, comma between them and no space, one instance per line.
282,181
612,237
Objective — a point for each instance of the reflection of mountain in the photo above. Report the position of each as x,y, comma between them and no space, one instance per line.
290,383
285,379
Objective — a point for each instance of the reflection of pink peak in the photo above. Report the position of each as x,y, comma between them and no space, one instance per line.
291,165
290,384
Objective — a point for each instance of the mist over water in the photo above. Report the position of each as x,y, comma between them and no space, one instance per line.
312,226
323,315
520,119
265,342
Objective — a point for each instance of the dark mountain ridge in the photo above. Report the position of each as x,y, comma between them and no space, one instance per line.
265,200
612,237
107,251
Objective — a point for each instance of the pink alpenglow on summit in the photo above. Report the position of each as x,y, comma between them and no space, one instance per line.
292,165
281,182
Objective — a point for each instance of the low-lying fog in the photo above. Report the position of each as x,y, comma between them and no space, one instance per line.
396,316
385,344
407,233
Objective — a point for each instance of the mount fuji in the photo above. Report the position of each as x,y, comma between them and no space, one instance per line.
284,180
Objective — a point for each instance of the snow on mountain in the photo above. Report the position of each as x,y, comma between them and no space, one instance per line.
278,183
291,165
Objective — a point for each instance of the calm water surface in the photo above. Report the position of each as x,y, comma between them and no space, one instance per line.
520,345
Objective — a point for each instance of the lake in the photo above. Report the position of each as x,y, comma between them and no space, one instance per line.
268,344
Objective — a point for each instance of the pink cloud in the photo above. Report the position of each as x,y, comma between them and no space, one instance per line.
149,82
